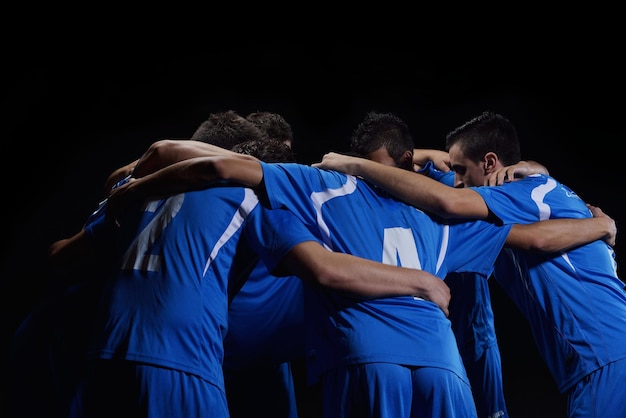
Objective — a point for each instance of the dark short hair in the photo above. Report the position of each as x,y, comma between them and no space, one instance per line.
273,124
267,150
382,130
226,129
487,132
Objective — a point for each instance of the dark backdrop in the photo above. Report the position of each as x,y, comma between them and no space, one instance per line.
71,120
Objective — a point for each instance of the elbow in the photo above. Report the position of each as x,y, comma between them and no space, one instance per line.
323,276
461,203
220,168
327,276
161,152
154,158
538,243
444,209
448,208
246,172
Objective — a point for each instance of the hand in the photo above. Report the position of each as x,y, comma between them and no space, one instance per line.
508,174
437,291
598,213
514,172
441,159
339,162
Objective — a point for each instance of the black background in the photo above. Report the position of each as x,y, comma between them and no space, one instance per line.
73,118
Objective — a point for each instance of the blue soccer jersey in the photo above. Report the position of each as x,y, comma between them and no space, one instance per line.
473,324
265,323
574,302
167,305
347,215
471,315
265,333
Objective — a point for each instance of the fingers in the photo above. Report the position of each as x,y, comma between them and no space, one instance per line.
499,177
611,238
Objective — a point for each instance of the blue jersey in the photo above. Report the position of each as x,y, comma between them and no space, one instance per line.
473,324
167,304
265,333
574,302
349,216
471,315
265,321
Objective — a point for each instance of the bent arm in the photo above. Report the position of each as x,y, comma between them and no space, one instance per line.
169,151
183,176
362,277
557,235
441,159
413,188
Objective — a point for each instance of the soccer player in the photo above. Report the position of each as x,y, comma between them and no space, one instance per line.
385,138
386,357
574,301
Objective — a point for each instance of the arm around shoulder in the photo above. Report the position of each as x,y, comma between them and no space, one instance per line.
361,277
169,151
557,235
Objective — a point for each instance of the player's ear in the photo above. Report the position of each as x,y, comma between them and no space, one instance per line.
490,162
406,160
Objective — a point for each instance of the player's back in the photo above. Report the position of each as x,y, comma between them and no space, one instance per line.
167,303
352,217
265,321
574,301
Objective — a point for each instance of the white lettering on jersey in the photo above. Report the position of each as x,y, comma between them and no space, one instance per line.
138,256
399,245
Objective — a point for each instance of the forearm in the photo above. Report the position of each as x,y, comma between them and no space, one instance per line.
183,176
557,235
361,277
370,279
425,193
169,151
441,159
413,188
